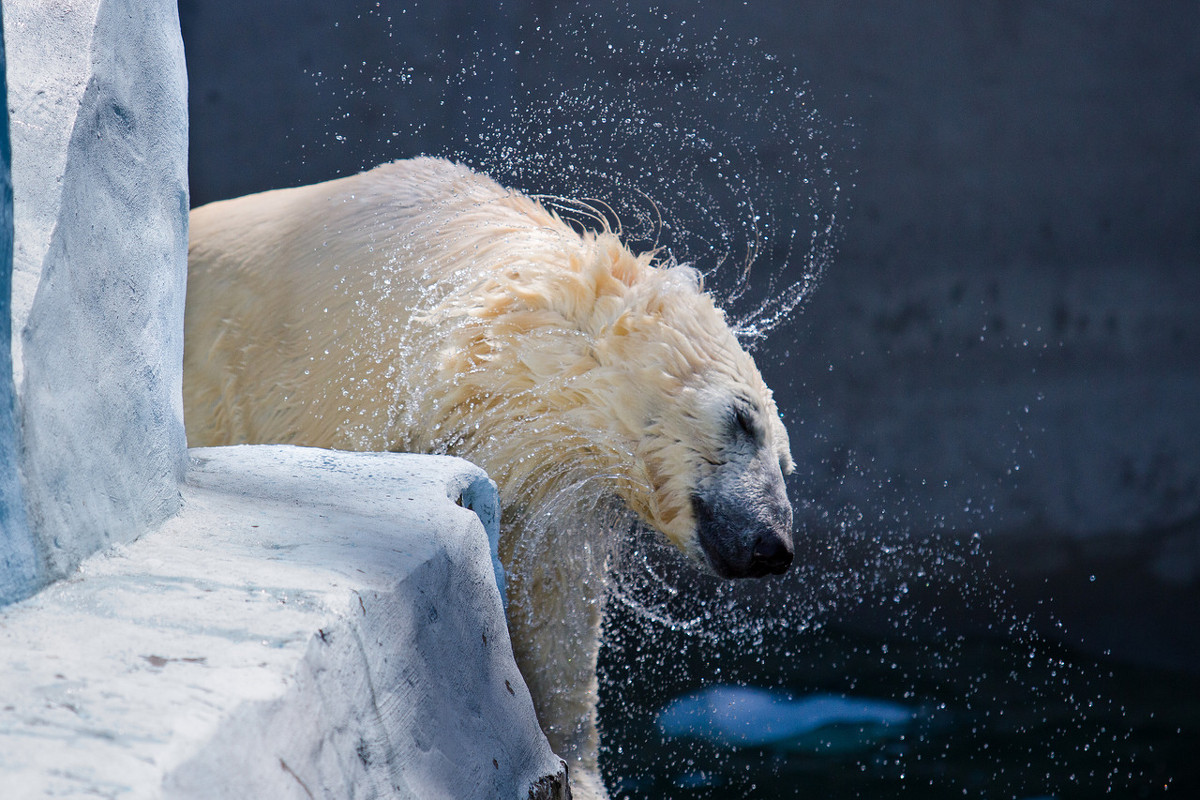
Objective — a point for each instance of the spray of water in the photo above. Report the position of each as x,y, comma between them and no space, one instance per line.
703,148
712,153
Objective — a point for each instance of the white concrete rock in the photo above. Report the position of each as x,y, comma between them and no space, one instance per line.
18,560
312,624
291,622
98,109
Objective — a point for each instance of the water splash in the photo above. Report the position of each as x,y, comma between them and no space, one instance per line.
711,152
705,149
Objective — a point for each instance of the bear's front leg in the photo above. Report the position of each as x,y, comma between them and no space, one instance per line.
556,595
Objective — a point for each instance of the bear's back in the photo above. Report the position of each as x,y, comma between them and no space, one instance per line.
292,294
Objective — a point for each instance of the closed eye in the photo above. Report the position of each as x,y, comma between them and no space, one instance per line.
746,424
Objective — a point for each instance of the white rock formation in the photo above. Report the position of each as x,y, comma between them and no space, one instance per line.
18,561
98,105
312,624
281,623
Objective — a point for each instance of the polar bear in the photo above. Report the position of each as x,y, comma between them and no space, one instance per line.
422,307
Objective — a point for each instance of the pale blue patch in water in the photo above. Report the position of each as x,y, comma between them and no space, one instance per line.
740,716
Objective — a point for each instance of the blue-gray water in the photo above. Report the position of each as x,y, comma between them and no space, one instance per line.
1001,708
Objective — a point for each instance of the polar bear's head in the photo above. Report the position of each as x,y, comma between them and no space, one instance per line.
702,425
629,371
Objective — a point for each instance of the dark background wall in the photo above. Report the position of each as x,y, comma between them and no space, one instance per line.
1005,340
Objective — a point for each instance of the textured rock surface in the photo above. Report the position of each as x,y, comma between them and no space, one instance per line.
312,624
97,92
18,567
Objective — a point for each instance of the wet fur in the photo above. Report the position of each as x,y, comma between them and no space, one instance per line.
422,307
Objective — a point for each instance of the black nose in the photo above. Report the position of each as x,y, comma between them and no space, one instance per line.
772,554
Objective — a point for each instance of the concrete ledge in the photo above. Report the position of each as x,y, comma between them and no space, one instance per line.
313,624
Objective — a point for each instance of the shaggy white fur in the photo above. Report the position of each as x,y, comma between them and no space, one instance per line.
422,307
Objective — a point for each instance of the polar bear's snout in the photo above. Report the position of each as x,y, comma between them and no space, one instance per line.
744,520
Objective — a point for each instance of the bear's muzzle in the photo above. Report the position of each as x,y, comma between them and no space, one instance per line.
744,521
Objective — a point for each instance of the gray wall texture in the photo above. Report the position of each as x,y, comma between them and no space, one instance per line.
1005,339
